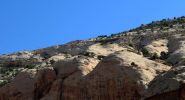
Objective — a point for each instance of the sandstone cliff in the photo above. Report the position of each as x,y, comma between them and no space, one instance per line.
146,63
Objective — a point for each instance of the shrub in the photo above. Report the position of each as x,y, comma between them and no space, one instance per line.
30,66
145,52
3,82
15,72
89,54
100,57
171,26
52,61
155,56
131,45
183,26
45,55
162,45
133,64
164,55
112,35
9,71
102,36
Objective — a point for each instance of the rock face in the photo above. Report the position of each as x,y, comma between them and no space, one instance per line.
114,78
117,78
104,49
123,75
18,89
157,47
169,85
25,87
177,48
143,64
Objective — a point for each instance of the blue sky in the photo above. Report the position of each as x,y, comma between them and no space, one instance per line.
32,24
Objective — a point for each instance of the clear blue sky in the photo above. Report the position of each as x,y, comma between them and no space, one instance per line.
32,24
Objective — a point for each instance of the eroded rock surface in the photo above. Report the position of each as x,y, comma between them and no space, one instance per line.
146,63
177,48
169,85
157,47
124,75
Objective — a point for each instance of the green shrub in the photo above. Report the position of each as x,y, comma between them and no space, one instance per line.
155,56
89,54
9,71
131,45
100,57
102,36
164,55
145,52
112,35
45,55
183,26
52,61
133,64
3,82
30,66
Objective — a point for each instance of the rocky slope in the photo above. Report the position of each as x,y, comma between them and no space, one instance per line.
146,63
